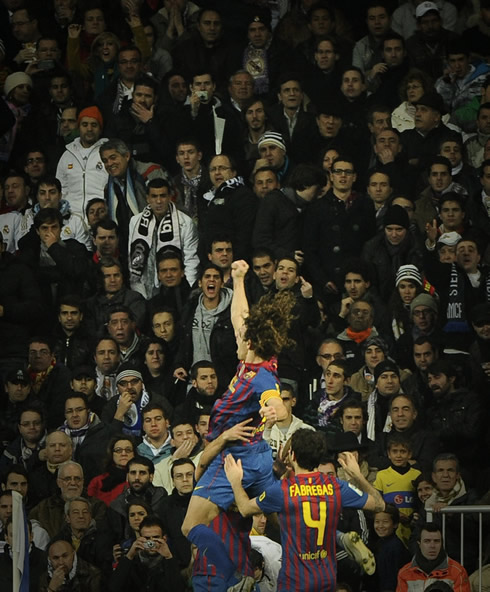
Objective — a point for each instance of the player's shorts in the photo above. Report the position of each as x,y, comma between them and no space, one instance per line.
257,475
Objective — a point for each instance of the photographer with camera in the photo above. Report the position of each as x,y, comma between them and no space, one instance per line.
149,564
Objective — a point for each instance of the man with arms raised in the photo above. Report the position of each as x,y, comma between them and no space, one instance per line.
260,336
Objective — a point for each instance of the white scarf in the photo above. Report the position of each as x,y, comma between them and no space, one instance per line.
141,239
371,422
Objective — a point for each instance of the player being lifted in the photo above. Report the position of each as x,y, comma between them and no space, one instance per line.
254,392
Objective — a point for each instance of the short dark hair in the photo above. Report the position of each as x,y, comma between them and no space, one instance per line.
92,201
72,300
141,460
46,339
47,215
452,196
209,265
428,527
441,160
359,267
392,511
306,175
481,107
147,80
201,364
16,469
166,253
105,224
181,420
309,448
152,520
179,462
344,365
77,395
352,403
354,69
394,438
117,308
50,180
157,184
442,367
156,407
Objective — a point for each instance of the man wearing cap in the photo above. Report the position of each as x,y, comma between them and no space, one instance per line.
290,119
126,408
387,381
18,392
83,380
422,142
264,56
404,20
329,129
440,183
427,47
272,152
423,314
394,247
80,168
17,89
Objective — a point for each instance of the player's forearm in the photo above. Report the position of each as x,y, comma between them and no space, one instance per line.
245,505
239,303
211,450
360,481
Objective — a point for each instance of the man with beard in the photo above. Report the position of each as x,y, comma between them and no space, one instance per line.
140,472
204,391
456,416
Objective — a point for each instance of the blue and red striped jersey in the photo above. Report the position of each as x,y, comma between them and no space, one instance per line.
309,506
234,530
252,386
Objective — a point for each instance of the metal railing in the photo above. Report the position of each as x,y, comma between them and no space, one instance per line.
462,510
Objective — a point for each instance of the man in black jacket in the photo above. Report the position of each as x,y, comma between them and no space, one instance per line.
149,565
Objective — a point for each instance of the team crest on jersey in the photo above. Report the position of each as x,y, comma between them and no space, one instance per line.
249,375
99,166
5,229
70,166
262,497
67,230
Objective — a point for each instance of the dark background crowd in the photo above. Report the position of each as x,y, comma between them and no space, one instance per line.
343,150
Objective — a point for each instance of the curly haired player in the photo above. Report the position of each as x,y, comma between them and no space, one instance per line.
253,393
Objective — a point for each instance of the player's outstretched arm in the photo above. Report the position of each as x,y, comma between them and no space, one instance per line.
234,473
374,501
241,431
239,302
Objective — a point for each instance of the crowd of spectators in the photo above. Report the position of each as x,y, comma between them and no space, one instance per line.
343,150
